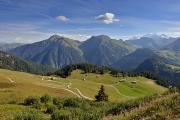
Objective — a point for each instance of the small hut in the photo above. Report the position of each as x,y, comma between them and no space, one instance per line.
134,82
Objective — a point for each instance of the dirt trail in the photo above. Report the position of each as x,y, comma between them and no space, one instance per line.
79,92
56,87
12,81
118,92
83,95
111,85
121,93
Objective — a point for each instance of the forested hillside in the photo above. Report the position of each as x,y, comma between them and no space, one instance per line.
11,62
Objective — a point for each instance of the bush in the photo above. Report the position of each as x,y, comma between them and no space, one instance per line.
71,103
59,116
51,109
31,100
29,115
172,89
58,103
37,105
45,99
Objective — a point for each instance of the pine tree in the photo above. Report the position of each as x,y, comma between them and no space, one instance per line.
101,96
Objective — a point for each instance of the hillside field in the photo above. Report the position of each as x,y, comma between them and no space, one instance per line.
16,86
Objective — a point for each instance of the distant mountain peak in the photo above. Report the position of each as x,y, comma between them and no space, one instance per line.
57,37
101,37
153,41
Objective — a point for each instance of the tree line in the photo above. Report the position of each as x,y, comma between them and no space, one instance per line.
91,68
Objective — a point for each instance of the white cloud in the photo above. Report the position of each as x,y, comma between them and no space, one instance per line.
62,18
107,18
170,34
76,36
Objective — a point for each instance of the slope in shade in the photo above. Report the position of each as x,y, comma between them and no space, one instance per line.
134,59
160,66
11,62
175,46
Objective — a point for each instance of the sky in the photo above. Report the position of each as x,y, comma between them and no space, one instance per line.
27,21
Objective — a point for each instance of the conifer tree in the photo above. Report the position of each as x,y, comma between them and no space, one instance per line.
101,96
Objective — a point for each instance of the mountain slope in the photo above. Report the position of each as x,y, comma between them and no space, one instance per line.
160,66
143,42
171,57
56,51
8,61
103,50
175,46
134,59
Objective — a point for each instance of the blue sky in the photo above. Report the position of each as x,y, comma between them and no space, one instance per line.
34,20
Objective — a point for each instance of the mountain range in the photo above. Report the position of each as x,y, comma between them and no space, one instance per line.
152,41
139,55
59,51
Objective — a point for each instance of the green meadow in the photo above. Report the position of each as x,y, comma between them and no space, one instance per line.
17,86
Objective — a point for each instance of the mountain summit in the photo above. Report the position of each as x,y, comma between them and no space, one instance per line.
103,50
56,51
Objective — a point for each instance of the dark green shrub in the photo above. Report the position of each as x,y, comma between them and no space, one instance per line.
61,116
58,102
28,115
37,105
51,109
45,98
31,100
71,103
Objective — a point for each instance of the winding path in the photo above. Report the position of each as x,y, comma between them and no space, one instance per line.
120,93
111,85
80,95
79,92
83,96
12,81
61,88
